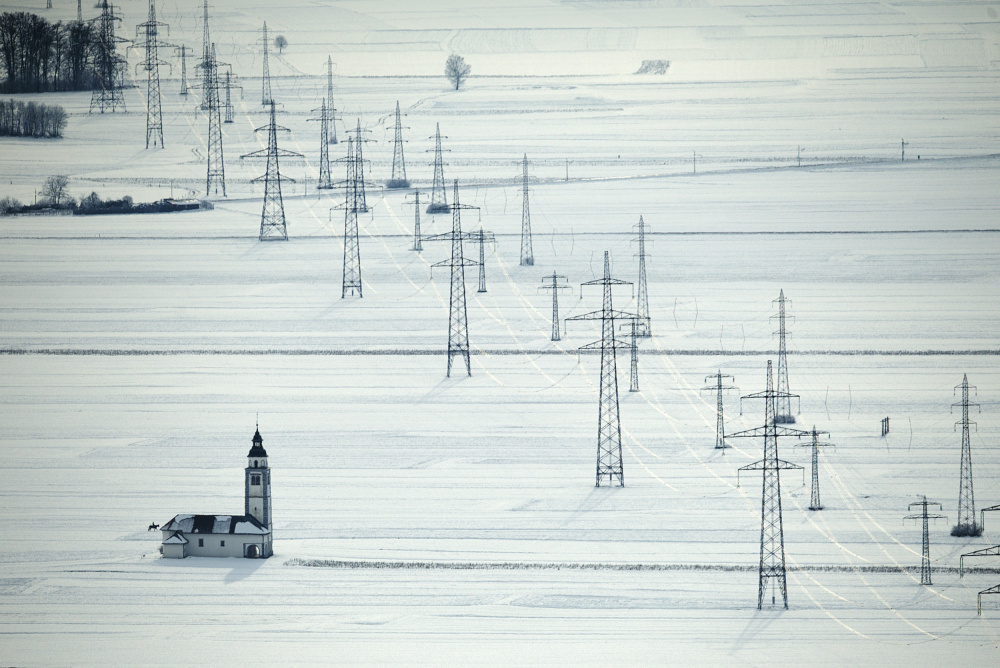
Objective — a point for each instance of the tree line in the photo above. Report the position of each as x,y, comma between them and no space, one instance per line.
37,56
31,119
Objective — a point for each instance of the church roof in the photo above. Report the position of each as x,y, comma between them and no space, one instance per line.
176,538
216,524
258,446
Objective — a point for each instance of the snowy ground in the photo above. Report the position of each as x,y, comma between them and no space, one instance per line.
138,350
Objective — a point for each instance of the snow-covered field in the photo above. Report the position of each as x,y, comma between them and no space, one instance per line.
427,520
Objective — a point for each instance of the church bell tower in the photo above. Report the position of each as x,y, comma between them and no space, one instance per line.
258,483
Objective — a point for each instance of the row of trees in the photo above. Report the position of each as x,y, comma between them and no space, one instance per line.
37,56
31,119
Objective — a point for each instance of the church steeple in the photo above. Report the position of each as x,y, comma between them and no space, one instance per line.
258,483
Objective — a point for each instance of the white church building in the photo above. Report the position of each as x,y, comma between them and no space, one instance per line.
247,535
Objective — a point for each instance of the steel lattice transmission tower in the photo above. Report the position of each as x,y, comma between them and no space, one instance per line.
184,68
439,202
527,255
79,11
552,283
965,524
359,170
351,280
147,35
206,56
110,67
771,572
784,413
458,321
719,387
229,96
329,100
266,98
925,560
272,216
398,179
216,172
642,300
609,436
814,502
482,237
324,182
633,328
417,245
354,203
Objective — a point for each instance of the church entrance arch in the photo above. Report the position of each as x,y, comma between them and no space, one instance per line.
253,552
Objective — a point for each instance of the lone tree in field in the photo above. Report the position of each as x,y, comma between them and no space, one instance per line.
280,43
54,189
456,69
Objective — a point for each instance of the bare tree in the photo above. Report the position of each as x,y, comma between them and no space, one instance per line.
280,43
456,69
54,189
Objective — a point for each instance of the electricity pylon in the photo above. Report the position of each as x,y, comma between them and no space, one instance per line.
184,68
206,55
784,413
272,215
719,388
439,202
329,100
417,244
633,328
483,237
216,172
108,65
79,11
398,179
527,255
966,521
359,170
229,96
351,282
458,321
814,502
266,98
925,561
609,435
642,300
552,283
771,572
147,35
324,182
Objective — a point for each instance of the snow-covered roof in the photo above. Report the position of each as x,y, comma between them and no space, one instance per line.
202,524
176,538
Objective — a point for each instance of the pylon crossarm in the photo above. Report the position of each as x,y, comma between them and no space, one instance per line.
982,515
985,552
281,177
617,344
607,281
610,314
979,599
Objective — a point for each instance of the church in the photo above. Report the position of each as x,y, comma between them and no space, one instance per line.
247,535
